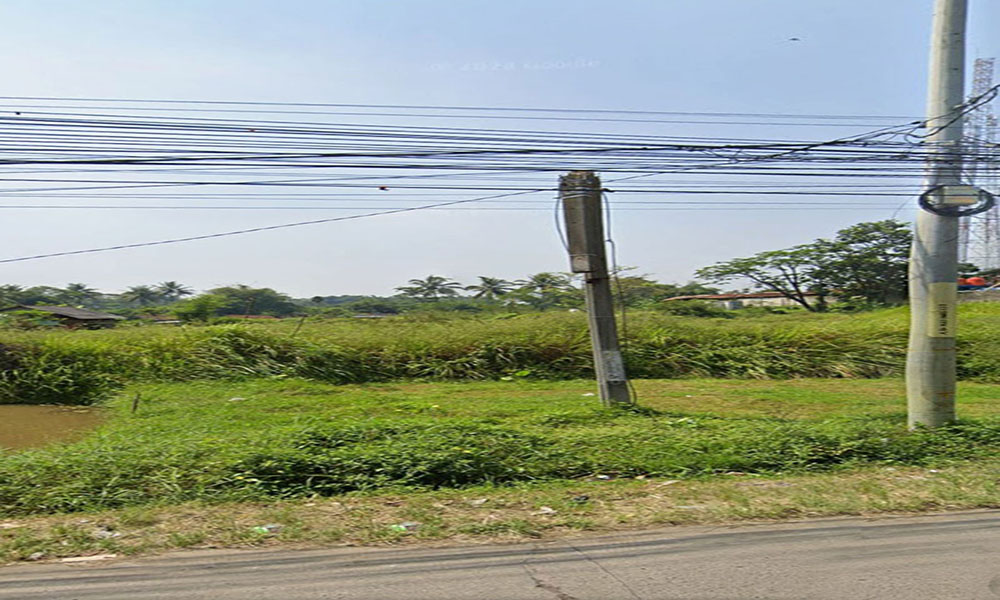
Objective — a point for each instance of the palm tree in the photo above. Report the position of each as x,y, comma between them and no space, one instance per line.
11,293
79,293
490,288
545,282
546,290
431,288
171,290
143,295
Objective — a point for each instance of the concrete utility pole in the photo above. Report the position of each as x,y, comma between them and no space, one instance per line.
580,192
930,362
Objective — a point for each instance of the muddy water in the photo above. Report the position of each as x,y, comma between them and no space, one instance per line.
23,426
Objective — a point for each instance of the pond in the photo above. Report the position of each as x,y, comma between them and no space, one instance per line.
27,426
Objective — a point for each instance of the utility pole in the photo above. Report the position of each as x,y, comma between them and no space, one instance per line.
930,361
580,193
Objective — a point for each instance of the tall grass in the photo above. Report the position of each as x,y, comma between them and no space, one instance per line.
85,366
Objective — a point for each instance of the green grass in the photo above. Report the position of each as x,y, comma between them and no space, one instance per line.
86,366
292,438
206,463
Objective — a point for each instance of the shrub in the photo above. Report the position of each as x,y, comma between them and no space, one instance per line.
694,308
148,464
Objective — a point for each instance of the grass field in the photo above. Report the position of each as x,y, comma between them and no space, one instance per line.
205,462
88,366
480,428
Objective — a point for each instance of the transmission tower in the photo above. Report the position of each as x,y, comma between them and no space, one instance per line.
979,241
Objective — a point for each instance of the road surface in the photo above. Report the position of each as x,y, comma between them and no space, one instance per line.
937,557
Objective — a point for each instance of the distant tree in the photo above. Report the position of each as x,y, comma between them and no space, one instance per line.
866,262
143,295
11,294
791,273
640,291
490,288
547,290
380,306
79,293
431,288
42,295
242,300
199,308
546,282
171,291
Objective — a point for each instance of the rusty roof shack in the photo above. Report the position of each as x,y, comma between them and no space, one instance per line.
71,318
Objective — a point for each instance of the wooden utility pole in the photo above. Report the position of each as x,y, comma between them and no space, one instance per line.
930,364
580,193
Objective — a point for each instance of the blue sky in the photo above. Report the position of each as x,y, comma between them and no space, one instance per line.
852,57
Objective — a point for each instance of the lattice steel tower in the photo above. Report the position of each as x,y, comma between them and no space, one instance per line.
979,241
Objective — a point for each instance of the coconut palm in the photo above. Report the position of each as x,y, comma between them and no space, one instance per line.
172,291
545,282
11,293
490,288
431,288
143,295
546,290
79,293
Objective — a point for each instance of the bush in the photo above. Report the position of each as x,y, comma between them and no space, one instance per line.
440,346
54,376
694,308
148,464
374,455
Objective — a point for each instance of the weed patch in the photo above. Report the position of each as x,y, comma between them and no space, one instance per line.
87,366
293,439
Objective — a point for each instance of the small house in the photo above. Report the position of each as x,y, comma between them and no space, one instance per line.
71,318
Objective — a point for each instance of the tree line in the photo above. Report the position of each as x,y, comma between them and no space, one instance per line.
545,290
540,291
84,296
864,265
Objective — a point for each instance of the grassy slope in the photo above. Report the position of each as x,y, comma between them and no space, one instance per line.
204,462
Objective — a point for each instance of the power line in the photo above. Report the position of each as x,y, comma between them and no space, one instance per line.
257,229
451,107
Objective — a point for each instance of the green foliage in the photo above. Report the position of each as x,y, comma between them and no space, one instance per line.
431,288
245,300
369,455
449,346
27,319
694,308
440,346
200,308
544,291
380,306
80,294
143,295
10,294
790,272
490,288
55,376
865,263
291,438
171,291
638,291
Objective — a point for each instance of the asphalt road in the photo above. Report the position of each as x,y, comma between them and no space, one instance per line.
940,557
